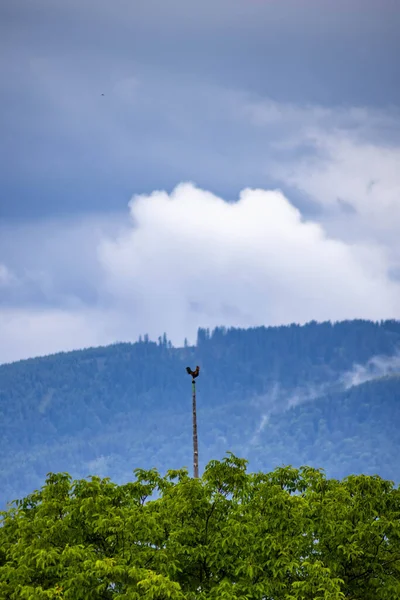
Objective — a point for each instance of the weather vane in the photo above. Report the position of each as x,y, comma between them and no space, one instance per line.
194,374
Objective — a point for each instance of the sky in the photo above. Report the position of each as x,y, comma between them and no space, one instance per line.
170,164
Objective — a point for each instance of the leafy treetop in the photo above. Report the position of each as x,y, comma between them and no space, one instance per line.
291,534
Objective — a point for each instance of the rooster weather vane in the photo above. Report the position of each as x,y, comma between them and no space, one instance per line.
194,373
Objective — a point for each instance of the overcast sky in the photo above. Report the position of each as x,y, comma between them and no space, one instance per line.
169,164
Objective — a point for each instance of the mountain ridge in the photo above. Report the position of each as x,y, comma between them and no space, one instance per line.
111,409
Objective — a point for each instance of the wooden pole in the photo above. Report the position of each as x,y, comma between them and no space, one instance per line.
195,442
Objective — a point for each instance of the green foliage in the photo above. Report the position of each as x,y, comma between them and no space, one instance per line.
291,534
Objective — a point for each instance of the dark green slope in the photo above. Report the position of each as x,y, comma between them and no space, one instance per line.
109,410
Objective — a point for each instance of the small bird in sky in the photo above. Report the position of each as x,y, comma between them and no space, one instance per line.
102,94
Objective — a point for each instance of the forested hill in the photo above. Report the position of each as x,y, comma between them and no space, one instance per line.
108,410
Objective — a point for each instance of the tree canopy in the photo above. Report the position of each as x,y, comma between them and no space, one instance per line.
290,534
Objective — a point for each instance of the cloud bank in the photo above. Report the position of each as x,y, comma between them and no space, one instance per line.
184,260
255,260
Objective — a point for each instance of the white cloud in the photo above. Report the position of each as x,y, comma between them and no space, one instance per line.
365,176
27,332
378,366
248,262
190,259
345,160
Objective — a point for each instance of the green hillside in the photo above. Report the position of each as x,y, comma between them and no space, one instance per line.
355,431
109,410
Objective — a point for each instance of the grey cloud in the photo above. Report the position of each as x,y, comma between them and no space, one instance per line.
150,131
290,50
65,147
53,263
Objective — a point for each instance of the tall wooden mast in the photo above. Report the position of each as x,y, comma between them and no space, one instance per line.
194,374
195,442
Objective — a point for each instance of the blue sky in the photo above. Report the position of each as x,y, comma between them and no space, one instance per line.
298,99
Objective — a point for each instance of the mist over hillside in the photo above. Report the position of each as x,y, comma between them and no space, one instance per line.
327,395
